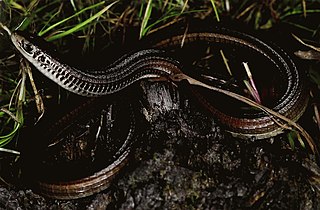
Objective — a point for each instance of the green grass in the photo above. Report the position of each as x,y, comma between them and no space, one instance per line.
12,113
46,29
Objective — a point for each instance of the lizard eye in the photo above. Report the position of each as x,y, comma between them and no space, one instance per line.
27,47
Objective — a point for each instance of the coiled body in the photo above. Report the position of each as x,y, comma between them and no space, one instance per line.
149,64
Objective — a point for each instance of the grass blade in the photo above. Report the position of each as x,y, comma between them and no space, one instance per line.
42,32
145,19
215,10
82,24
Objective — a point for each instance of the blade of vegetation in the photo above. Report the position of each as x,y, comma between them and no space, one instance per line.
252,91
225,61
246,10
14,119
184,6
295,136
146,17
304,6
251,84
73,5
215,10
291,140
305,44
82,24
166,17
6,111
299,12
42,32
28,14
17,6
317,115
18,119
14,152
38,99
5,28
